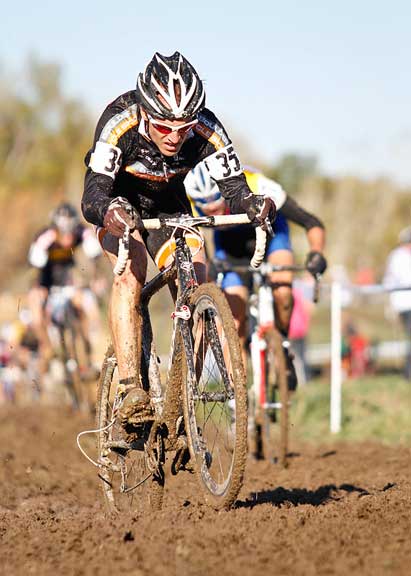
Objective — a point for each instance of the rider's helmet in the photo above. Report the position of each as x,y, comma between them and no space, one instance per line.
65,218
170,88
201,188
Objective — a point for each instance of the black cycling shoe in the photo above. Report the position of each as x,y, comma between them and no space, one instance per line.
291,374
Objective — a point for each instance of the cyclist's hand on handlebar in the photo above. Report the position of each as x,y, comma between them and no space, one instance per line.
315,263
259,209
119,215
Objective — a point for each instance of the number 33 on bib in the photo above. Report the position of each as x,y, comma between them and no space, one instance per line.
224,163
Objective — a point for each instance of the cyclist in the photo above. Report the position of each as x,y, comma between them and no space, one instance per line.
145,143
237,243
52,253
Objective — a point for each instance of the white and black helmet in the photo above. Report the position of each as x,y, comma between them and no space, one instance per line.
65,217
201,188
170,88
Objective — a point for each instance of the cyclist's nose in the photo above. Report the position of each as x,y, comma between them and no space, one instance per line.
175,137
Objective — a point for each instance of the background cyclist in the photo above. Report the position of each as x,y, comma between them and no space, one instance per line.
236,244
52,254
145,143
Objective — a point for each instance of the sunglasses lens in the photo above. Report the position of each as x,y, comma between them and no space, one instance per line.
161,128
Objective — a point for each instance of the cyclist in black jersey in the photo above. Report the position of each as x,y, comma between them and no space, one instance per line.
52,254
145,143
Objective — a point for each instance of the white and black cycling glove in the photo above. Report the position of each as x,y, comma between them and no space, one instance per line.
119,215
259,209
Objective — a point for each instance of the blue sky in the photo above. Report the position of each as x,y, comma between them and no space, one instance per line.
315,77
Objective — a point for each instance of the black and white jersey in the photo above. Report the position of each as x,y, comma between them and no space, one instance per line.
125,162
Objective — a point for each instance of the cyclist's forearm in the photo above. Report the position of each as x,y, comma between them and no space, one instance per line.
316,239
96,197
294,212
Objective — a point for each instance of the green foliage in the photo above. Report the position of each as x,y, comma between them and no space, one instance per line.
373,408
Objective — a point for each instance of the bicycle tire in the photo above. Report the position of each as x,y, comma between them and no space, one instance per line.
146,489
215,397
277,391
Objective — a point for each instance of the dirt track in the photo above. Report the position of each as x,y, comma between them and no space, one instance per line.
342,509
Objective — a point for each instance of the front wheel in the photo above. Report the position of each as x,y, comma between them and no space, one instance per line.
272,420
215,396
128,483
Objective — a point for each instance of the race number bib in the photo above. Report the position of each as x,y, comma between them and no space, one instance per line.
224,163
105,159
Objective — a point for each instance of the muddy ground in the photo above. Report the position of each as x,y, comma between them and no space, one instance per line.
341,509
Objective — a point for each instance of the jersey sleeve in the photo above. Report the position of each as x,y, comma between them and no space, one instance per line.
294,212
105,159
39,250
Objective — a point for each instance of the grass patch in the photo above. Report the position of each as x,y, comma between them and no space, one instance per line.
373,408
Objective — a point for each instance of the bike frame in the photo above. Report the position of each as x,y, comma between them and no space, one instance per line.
167,404
261,311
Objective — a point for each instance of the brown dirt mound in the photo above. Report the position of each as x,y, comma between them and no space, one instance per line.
342,509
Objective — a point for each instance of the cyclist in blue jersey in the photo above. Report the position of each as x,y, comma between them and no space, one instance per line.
236,244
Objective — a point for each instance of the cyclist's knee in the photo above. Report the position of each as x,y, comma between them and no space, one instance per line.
283,296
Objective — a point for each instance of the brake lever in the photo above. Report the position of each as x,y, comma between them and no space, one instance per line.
268,227
316,295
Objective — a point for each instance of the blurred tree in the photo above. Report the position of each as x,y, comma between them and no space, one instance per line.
44,136
292,170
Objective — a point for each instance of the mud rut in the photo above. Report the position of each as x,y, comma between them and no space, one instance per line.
342,509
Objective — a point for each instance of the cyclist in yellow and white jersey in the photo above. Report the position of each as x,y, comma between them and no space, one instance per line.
236,245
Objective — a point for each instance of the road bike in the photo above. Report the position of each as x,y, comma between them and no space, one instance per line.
269,396
199,414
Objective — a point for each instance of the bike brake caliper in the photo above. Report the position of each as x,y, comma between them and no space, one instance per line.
182,312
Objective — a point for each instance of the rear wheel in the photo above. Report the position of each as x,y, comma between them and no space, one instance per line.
215,397
127,478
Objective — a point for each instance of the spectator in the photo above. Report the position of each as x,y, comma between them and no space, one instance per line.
398,278
300,325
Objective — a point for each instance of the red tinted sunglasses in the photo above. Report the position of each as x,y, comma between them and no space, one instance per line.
164,128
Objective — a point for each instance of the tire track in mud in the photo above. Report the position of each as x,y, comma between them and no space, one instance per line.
337,509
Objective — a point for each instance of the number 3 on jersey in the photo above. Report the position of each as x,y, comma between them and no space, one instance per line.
223,164
105,159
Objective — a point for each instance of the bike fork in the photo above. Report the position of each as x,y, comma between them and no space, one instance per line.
258,361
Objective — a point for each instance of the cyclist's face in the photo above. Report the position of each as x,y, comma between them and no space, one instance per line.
168,144
216,208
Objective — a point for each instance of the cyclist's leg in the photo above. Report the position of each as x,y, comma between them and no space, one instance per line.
125,318
237,295
86,306
280,253
37,298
